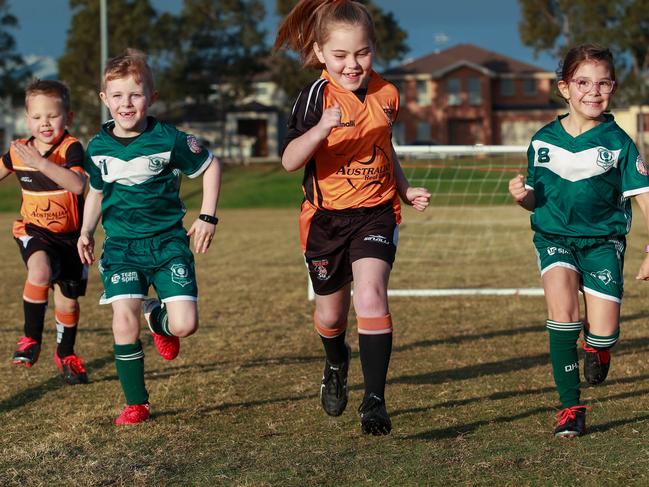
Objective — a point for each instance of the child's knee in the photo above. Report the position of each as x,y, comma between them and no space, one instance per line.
185,327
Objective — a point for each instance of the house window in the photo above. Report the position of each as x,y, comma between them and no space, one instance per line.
423,132
423,98
507,87
529,86
453,90
475,91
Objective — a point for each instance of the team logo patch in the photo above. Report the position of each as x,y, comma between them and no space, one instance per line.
641,166
180,274
156,163
389,113
605,158
604,276
320,267
193,144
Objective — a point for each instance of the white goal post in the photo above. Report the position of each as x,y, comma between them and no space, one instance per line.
472,240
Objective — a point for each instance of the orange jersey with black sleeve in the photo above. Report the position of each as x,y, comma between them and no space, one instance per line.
45,204
353,167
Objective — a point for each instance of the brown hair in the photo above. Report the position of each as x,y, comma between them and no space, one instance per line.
52,88
131,63
585,52
310,21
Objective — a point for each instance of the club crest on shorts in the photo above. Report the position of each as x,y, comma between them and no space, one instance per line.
605,158
604,276
320,267
641,166
180,274
193,144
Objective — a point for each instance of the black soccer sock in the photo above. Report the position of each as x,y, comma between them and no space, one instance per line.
335,348
66,337
375,351
34,319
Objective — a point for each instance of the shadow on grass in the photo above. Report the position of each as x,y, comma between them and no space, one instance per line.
36,392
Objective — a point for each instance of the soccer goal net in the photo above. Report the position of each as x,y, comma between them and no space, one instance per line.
472,239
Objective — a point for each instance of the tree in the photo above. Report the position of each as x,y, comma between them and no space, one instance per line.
131,23
10,62
391,40
623,26
214,49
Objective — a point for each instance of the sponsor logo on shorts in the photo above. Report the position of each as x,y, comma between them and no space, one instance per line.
557,250
27,179
604,276
320,267
605,158
180,274
193,144
641,166
124,277
377,238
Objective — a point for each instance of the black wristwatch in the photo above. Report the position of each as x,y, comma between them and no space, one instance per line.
208,218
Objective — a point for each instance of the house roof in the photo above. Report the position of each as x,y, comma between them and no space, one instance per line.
489,62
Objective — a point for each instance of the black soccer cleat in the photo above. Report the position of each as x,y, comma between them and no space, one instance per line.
333,389
374,417
571,422
596,364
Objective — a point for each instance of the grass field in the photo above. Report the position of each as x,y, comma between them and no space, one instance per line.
470,388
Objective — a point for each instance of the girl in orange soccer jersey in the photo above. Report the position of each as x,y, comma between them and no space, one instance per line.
340,131
582,171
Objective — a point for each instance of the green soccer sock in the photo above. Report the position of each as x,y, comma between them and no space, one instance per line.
565,362
602,342
129,362
159,321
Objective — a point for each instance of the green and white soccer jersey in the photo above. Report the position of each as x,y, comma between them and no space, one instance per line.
582,184
141,181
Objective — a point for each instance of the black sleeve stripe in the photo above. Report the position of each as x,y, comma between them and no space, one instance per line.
6,160
74,155
317,86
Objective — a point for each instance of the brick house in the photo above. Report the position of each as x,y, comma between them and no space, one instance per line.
467,95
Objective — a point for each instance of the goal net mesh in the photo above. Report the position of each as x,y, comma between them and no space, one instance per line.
472,239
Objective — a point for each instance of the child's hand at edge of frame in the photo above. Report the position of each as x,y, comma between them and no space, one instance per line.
517,188
643,272
86,248
203,233
419,198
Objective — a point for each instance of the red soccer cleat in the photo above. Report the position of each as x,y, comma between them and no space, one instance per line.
167,346
134,413
72,369
27,352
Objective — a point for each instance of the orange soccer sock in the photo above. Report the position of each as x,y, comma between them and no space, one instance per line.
34,306
375,347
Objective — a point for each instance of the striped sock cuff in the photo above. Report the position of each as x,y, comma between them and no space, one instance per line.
376,325
131,351
328,332
563,326
600,342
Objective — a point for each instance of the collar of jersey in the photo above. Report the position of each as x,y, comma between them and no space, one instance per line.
605,125
325,74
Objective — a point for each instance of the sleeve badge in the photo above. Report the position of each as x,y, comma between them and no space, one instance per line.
193,144
641,166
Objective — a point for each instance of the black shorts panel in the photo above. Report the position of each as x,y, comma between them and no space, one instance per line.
336,239
67,270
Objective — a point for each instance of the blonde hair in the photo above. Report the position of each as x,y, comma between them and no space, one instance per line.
311,20
51,88
132,63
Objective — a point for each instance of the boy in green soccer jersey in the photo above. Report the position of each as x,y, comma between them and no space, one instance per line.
134,164
582,171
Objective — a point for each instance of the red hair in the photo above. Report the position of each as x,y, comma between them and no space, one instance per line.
131,63
311,20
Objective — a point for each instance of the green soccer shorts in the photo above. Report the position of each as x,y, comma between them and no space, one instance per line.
598,261
129,267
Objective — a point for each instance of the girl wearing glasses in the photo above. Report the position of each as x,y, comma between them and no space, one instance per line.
582,171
